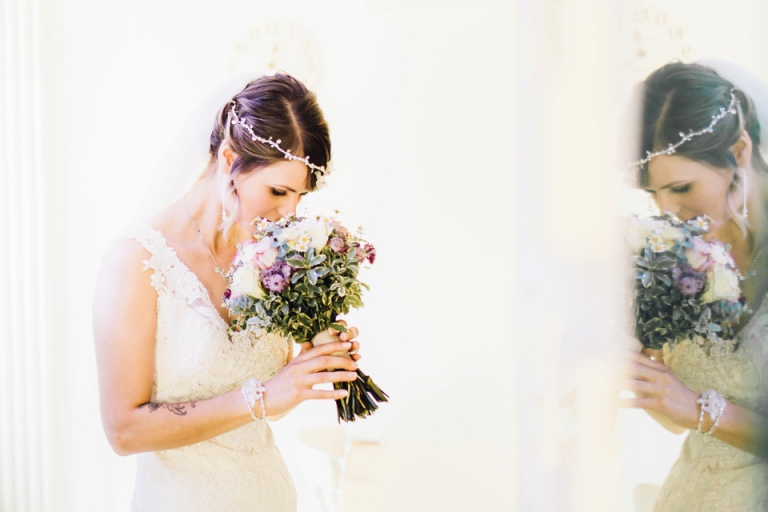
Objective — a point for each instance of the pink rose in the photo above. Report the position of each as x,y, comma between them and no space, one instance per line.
265,253
698,255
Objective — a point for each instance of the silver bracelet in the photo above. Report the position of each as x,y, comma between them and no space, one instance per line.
713,403
252,391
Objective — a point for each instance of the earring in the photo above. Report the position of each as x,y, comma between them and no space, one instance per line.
225,192
743,171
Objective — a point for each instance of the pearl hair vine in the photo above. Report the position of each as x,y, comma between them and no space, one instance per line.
672,148
320,171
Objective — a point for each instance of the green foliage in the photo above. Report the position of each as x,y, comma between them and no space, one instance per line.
323,286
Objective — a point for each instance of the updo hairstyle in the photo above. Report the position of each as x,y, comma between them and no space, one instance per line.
279,107
680,97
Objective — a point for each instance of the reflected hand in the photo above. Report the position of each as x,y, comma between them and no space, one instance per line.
659,390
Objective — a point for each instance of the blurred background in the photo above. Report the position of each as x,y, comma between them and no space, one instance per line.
479,142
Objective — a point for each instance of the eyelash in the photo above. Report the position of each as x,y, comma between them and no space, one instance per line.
682,190
278,193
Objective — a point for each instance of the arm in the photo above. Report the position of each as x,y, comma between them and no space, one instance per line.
124,323
662,394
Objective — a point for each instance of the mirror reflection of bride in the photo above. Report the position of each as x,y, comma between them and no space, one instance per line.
714,392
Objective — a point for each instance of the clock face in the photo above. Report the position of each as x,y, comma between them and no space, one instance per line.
278,45
658,37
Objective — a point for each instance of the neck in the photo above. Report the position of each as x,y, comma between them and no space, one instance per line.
204,203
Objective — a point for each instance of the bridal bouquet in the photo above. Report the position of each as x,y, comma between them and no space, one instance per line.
294,278
685,286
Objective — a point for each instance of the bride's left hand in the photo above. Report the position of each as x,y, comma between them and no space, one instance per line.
659,390
350,335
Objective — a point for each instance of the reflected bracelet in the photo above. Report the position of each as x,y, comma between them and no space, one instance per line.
713,403
252,391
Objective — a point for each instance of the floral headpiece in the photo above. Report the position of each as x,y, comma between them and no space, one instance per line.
320,171
731,109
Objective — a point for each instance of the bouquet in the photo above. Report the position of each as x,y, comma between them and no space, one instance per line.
294,278
685,286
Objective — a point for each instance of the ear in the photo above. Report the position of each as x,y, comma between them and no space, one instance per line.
742,150
225,157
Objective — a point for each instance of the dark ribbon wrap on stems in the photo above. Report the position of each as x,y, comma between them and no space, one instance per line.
362,394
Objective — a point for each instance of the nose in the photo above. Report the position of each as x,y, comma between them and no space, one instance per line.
668,204
289,205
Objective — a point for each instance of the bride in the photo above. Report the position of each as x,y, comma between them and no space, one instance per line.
700,147
175,388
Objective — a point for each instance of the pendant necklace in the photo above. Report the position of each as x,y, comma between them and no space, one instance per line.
200,234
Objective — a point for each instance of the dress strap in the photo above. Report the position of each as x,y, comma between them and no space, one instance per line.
163,260
171,276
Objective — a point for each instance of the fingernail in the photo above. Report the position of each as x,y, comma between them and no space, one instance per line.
347,344
344,392
352,375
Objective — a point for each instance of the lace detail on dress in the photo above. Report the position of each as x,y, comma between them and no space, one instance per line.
196,359
711,475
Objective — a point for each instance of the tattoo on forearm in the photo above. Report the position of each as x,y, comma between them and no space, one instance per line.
177,409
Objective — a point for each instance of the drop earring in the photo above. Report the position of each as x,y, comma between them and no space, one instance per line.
744,188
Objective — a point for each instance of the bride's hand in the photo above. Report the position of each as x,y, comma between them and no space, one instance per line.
293,384
350,335
657,389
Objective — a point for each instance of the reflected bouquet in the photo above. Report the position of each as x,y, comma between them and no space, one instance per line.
294,278
685,286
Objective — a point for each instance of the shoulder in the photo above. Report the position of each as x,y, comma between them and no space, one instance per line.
122,269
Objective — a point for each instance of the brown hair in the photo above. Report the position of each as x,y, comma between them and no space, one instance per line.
680,97
276,106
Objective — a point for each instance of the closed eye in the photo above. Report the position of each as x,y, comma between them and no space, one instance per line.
278,193
681,189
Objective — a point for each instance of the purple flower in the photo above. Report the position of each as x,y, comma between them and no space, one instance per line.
337,244
371,253
280,267
227,294
676,273
366,252
691,284
274,282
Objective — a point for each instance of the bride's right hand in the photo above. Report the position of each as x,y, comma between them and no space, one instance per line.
294,383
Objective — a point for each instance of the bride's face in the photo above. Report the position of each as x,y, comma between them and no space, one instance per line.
687,188
272,192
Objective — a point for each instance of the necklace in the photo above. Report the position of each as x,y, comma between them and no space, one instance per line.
217,268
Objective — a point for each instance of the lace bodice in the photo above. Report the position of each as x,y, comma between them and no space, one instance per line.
711,475
196,359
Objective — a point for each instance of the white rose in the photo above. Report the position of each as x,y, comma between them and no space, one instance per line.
245,281
318,235
722,283
291,233
639,230
671,234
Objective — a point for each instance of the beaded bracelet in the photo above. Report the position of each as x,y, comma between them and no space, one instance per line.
714,404
253,390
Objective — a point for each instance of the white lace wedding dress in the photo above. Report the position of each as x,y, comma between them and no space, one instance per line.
711,475
195,359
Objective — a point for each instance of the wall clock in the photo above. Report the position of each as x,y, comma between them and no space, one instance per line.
278,45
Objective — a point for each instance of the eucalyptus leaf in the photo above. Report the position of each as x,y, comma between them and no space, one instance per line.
296,263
